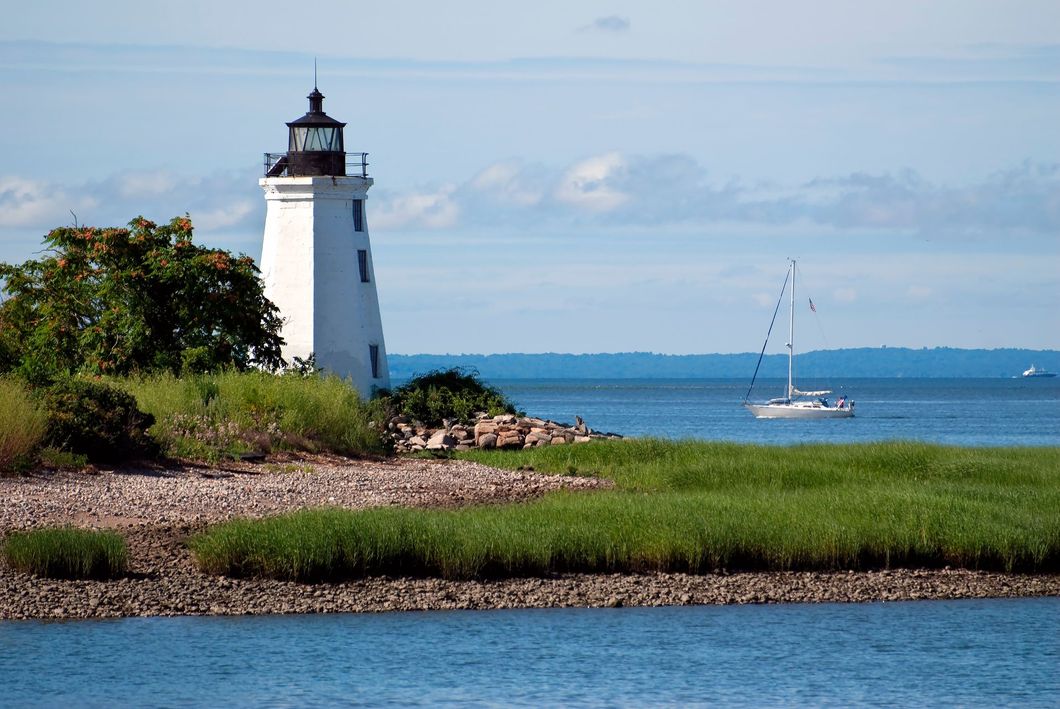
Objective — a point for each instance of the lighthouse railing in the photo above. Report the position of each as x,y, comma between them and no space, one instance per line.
356,164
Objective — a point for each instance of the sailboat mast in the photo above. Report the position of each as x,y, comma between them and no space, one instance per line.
791,334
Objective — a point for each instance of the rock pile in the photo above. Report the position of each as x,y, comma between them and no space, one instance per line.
504,431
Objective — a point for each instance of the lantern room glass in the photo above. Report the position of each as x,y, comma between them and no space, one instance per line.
316,138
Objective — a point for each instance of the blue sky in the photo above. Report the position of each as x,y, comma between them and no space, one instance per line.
583,177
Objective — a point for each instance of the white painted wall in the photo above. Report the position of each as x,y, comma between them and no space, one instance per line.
311,271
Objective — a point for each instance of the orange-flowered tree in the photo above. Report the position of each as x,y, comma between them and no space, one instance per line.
141,299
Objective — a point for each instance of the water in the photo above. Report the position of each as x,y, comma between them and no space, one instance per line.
972,412
972,653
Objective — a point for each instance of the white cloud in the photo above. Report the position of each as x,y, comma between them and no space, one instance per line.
607,190
218,202
764,300
845,295
224,216
146,184
507,182
430,210
34,203
587,184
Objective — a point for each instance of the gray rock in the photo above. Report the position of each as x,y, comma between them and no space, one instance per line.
441,441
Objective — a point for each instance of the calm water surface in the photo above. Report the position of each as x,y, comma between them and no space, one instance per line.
973,412
970,653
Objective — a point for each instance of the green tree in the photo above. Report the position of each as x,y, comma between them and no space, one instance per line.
116,301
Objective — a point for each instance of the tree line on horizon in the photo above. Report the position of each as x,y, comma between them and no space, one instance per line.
887,362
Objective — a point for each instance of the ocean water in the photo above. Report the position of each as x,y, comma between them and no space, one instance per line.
929,653
971,412
925,653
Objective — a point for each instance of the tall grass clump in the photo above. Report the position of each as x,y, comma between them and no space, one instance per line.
211,416
691,506
67,553
23,425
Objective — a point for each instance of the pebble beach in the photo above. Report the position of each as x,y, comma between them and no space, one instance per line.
157,508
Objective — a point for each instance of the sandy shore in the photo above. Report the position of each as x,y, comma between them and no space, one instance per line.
156,508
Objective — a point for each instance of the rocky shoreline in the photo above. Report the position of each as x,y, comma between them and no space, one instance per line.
503,431
157,508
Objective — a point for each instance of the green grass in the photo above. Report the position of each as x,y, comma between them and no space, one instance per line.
23,424
211,416
67,553
690,506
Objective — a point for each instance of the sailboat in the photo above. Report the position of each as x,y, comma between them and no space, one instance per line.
795,404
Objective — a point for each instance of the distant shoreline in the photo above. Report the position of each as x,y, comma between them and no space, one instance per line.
866,362
156,509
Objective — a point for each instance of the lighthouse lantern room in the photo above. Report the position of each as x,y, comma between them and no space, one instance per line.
316,258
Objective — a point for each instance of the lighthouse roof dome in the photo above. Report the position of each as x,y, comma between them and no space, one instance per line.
316,116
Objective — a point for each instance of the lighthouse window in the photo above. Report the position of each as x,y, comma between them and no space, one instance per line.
358,215
373,355
306,138
362,261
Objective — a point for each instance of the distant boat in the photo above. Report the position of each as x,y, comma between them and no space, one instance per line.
1035,372
796,404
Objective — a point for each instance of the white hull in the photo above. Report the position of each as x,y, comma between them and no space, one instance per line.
798,411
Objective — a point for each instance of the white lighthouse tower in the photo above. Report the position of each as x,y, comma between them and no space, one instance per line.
316,260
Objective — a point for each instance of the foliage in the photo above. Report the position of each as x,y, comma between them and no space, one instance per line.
690,506
114,301
23,424
67,553
306,367
56,458
449,394
97,420
225,414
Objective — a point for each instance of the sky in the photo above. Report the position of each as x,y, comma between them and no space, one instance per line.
583,177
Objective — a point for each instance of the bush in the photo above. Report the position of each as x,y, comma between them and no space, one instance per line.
22,425
449,394
97,420
67,553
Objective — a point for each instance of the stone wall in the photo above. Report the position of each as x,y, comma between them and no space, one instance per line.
503,431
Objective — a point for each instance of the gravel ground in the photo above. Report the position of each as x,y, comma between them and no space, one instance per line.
156,508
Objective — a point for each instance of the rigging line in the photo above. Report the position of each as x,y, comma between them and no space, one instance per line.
816,315
816,371
766,343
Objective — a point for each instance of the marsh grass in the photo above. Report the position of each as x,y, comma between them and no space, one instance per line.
212,416
690,506
67,553
23,424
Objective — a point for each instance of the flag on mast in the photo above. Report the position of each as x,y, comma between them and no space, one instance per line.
812,306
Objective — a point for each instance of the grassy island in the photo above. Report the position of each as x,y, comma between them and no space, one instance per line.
690,506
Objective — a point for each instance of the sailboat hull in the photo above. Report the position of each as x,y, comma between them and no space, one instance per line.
798,411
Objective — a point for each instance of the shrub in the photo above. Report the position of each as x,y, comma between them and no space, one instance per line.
449,394
67,553
97,420
22,425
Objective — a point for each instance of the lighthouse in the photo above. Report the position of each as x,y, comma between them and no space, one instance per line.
316,259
